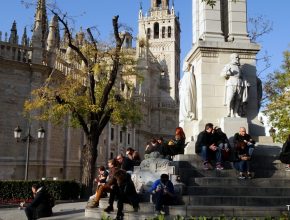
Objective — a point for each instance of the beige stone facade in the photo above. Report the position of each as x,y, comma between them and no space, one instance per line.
217,34
24,68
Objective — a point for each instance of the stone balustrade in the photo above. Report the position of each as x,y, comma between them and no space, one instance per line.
15,52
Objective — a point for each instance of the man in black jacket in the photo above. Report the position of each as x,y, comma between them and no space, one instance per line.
207,144
41,205
125,163
125,192
242,136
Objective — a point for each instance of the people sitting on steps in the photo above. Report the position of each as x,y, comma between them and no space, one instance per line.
177,144
170,148
223,143
207,144
242,161
101,180
125,163
134,156
242,136
113,168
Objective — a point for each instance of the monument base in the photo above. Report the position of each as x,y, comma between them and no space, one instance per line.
230,125
190,131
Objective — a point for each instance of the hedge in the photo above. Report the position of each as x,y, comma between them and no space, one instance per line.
19,190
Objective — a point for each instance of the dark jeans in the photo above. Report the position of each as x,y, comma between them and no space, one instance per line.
30,213
205,151
113,195
242,165
122,198
160,199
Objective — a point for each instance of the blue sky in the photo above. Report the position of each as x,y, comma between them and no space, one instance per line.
99,13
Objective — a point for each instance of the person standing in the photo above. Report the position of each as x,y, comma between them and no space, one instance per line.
125,192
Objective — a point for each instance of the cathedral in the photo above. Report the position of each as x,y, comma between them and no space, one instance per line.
26,63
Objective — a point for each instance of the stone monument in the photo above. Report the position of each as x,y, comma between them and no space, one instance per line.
219,34
187,95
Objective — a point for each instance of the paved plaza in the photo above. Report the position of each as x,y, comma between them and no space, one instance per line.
72,211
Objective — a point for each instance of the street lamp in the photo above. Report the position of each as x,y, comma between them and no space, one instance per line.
27,139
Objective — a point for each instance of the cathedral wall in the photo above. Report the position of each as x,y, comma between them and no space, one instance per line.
58,155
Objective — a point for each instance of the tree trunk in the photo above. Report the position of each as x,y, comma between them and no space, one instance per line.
89,157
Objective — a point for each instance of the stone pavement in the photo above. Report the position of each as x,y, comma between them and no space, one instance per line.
69,211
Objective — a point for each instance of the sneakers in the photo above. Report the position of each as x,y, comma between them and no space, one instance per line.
249,175
287,168
241,176
109,209
92,205
119,217
219,167
206,166
159,212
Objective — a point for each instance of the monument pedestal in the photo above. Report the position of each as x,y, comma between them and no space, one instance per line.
190,131
230,126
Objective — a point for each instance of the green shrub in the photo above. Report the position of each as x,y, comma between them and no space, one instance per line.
21,190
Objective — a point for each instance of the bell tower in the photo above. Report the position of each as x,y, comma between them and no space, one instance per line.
159,39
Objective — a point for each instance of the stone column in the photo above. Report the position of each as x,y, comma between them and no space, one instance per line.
238,21
207,21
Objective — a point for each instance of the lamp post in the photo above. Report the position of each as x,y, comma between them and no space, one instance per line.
27,139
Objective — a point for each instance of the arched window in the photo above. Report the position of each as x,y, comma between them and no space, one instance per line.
156,30
158,3
163,32
148,33
169,32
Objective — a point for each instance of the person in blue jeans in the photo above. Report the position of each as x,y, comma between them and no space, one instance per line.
162,191
207,144
242,161
246,139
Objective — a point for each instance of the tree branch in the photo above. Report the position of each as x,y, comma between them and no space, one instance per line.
75,113
70,44
114,71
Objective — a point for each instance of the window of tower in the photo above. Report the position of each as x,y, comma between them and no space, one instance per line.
127,43
169,32
158,3
163,32
148,33
156,30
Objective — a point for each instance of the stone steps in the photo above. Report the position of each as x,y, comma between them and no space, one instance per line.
237,191
241,212
228,200
187,173
230,182
221,193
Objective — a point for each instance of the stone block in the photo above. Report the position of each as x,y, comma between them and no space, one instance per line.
231,125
